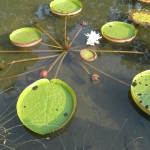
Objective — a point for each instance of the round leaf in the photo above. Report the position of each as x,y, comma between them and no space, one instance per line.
140,90
25,37
66,7
46,106
118,31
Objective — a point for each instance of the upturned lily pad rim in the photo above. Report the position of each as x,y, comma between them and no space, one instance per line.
60,13
108,25
131,14
86,58
26,44
144,1
135,81
36,84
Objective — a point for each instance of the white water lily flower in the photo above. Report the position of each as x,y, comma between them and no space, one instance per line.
93,38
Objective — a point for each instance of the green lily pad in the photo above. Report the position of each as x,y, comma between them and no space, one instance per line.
140,90
46,106
88,54
25,37
141,17
66,7
118,31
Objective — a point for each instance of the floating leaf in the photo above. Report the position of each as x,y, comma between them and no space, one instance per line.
140,90
141,17
88,54
46,106
66,7
118,31
25,37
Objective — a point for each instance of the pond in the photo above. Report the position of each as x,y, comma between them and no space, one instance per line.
106,117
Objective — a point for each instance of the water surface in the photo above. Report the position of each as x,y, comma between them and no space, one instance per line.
104,110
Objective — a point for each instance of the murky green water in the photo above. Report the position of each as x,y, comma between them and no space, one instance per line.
102,109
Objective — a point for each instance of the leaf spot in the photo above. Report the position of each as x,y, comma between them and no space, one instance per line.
65,114
35,87
134,84
139,94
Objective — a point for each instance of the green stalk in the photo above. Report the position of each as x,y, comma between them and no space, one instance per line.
29,51
56,61
106,74
60,64
75,36
49,36
51,45
85,69
32,59
22,73
65,32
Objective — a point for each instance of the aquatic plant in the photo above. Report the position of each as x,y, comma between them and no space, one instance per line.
141,17
140,90
61,50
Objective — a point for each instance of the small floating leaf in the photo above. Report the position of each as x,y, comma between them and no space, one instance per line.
88,54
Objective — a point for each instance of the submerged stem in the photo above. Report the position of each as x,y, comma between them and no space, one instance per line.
131,142
55,61
107,74
118,133
114,51
60,64
51,45
75,36
22,73
28,51
65,31
50,36
31,59
85,69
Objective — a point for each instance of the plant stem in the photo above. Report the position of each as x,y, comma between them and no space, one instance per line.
50,36
118,133
31,59
60,64
75,36
106,74
114,51
85,69
56,61
51,45
65,32
29,51
131,142
22,73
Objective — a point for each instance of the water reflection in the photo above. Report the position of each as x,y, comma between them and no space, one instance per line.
102,108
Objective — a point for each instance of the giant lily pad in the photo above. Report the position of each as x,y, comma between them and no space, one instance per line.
66,7
141,17
25,37
119,32
140,90
46,106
